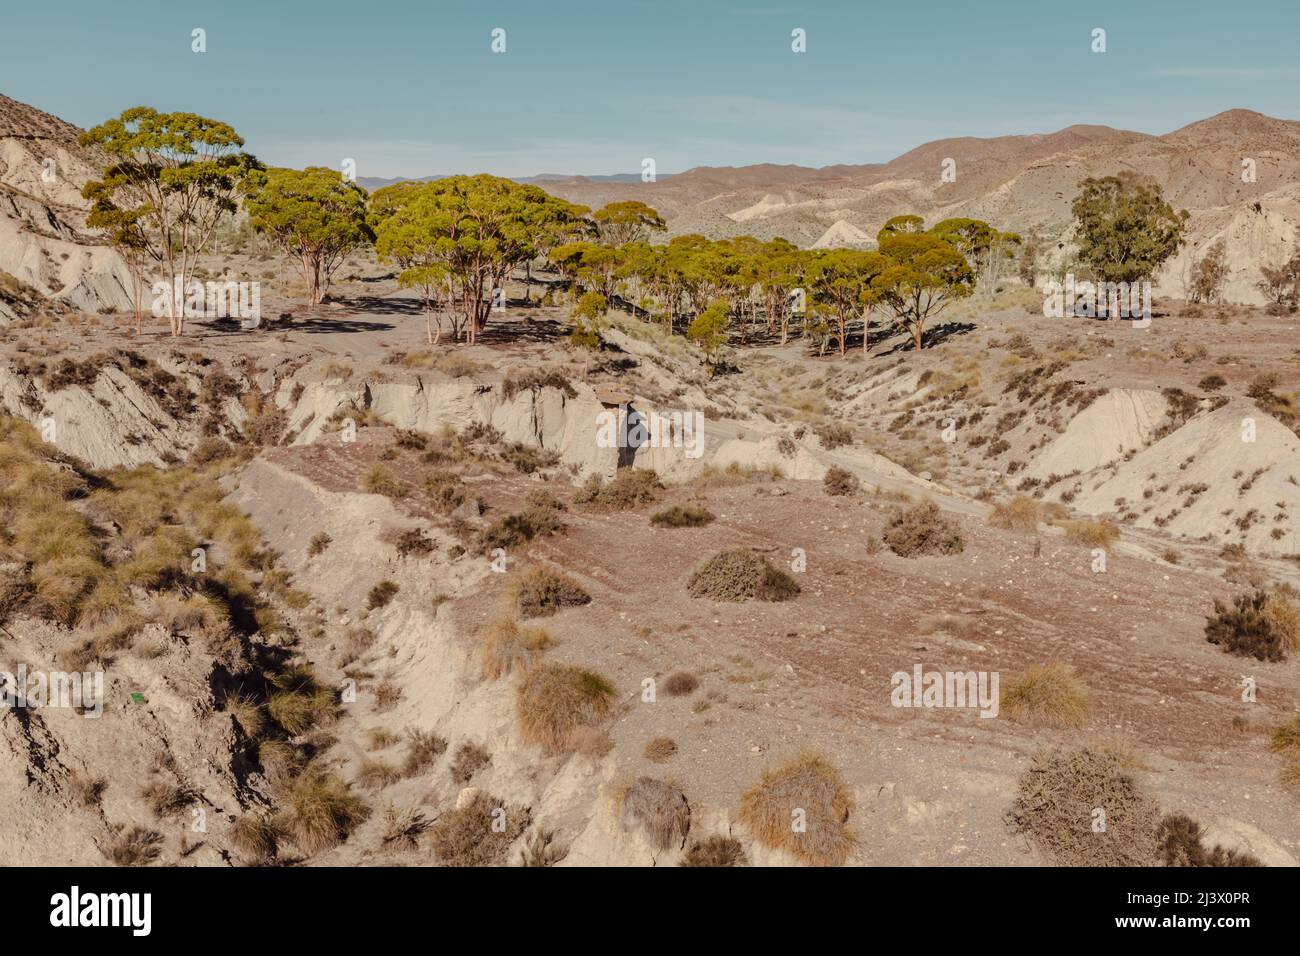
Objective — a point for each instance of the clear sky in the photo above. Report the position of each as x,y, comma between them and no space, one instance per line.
411,87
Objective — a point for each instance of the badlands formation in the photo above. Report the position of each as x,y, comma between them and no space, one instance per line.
371,508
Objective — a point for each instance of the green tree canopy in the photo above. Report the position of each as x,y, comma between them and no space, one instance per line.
620,222
480,227
314,215
924,274
171,178
1125,229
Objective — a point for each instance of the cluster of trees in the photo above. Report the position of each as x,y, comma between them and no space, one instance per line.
707,285
173,177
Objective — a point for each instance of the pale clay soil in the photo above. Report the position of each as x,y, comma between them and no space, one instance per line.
932,786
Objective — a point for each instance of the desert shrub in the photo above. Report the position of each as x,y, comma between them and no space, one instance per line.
528,458
679,516
660,749
137,846
1020,514
299,702
209,450
540,849
376,774
380,481
355,643
514,530
629,488
319,542
537,378
412,541
88,790
387,694
403,825
1056,799
320,811
381,594
714,851
811,784
554,700
1246,628
834,435
540,592
1212,383
281,763
506,647
465,836
257,835
1047,694
1179,838
166,799
469,759
921,530
658,808
1095,534
739,574
680,683
1285,618
1286,743
840,481
445,489
422,749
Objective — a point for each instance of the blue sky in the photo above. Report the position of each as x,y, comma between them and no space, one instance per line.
593,86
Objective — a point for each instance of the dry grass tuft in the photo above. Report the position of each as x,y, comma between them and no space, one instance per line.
422,749
660,809
1248,628
321,811
660,749
505,647
137,846
554,700
839,482
680,683
1048,694
1095,534
1021,514
802,807
473,835
469,759
715,851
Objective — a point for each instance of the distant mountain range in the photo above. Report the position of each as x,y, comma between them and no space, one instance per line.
1020,183
371,183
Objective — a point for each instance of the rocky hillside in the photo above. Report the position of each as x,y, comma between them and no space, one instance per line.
1024,183
47,255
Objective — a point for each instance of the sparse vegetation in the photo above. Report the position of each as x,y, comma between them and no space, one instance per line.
554,700
682,516
660,810
739,574
466,836
839,481
1047,694
540,592
715,851
810,784
1057,802
1246,628
922,530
